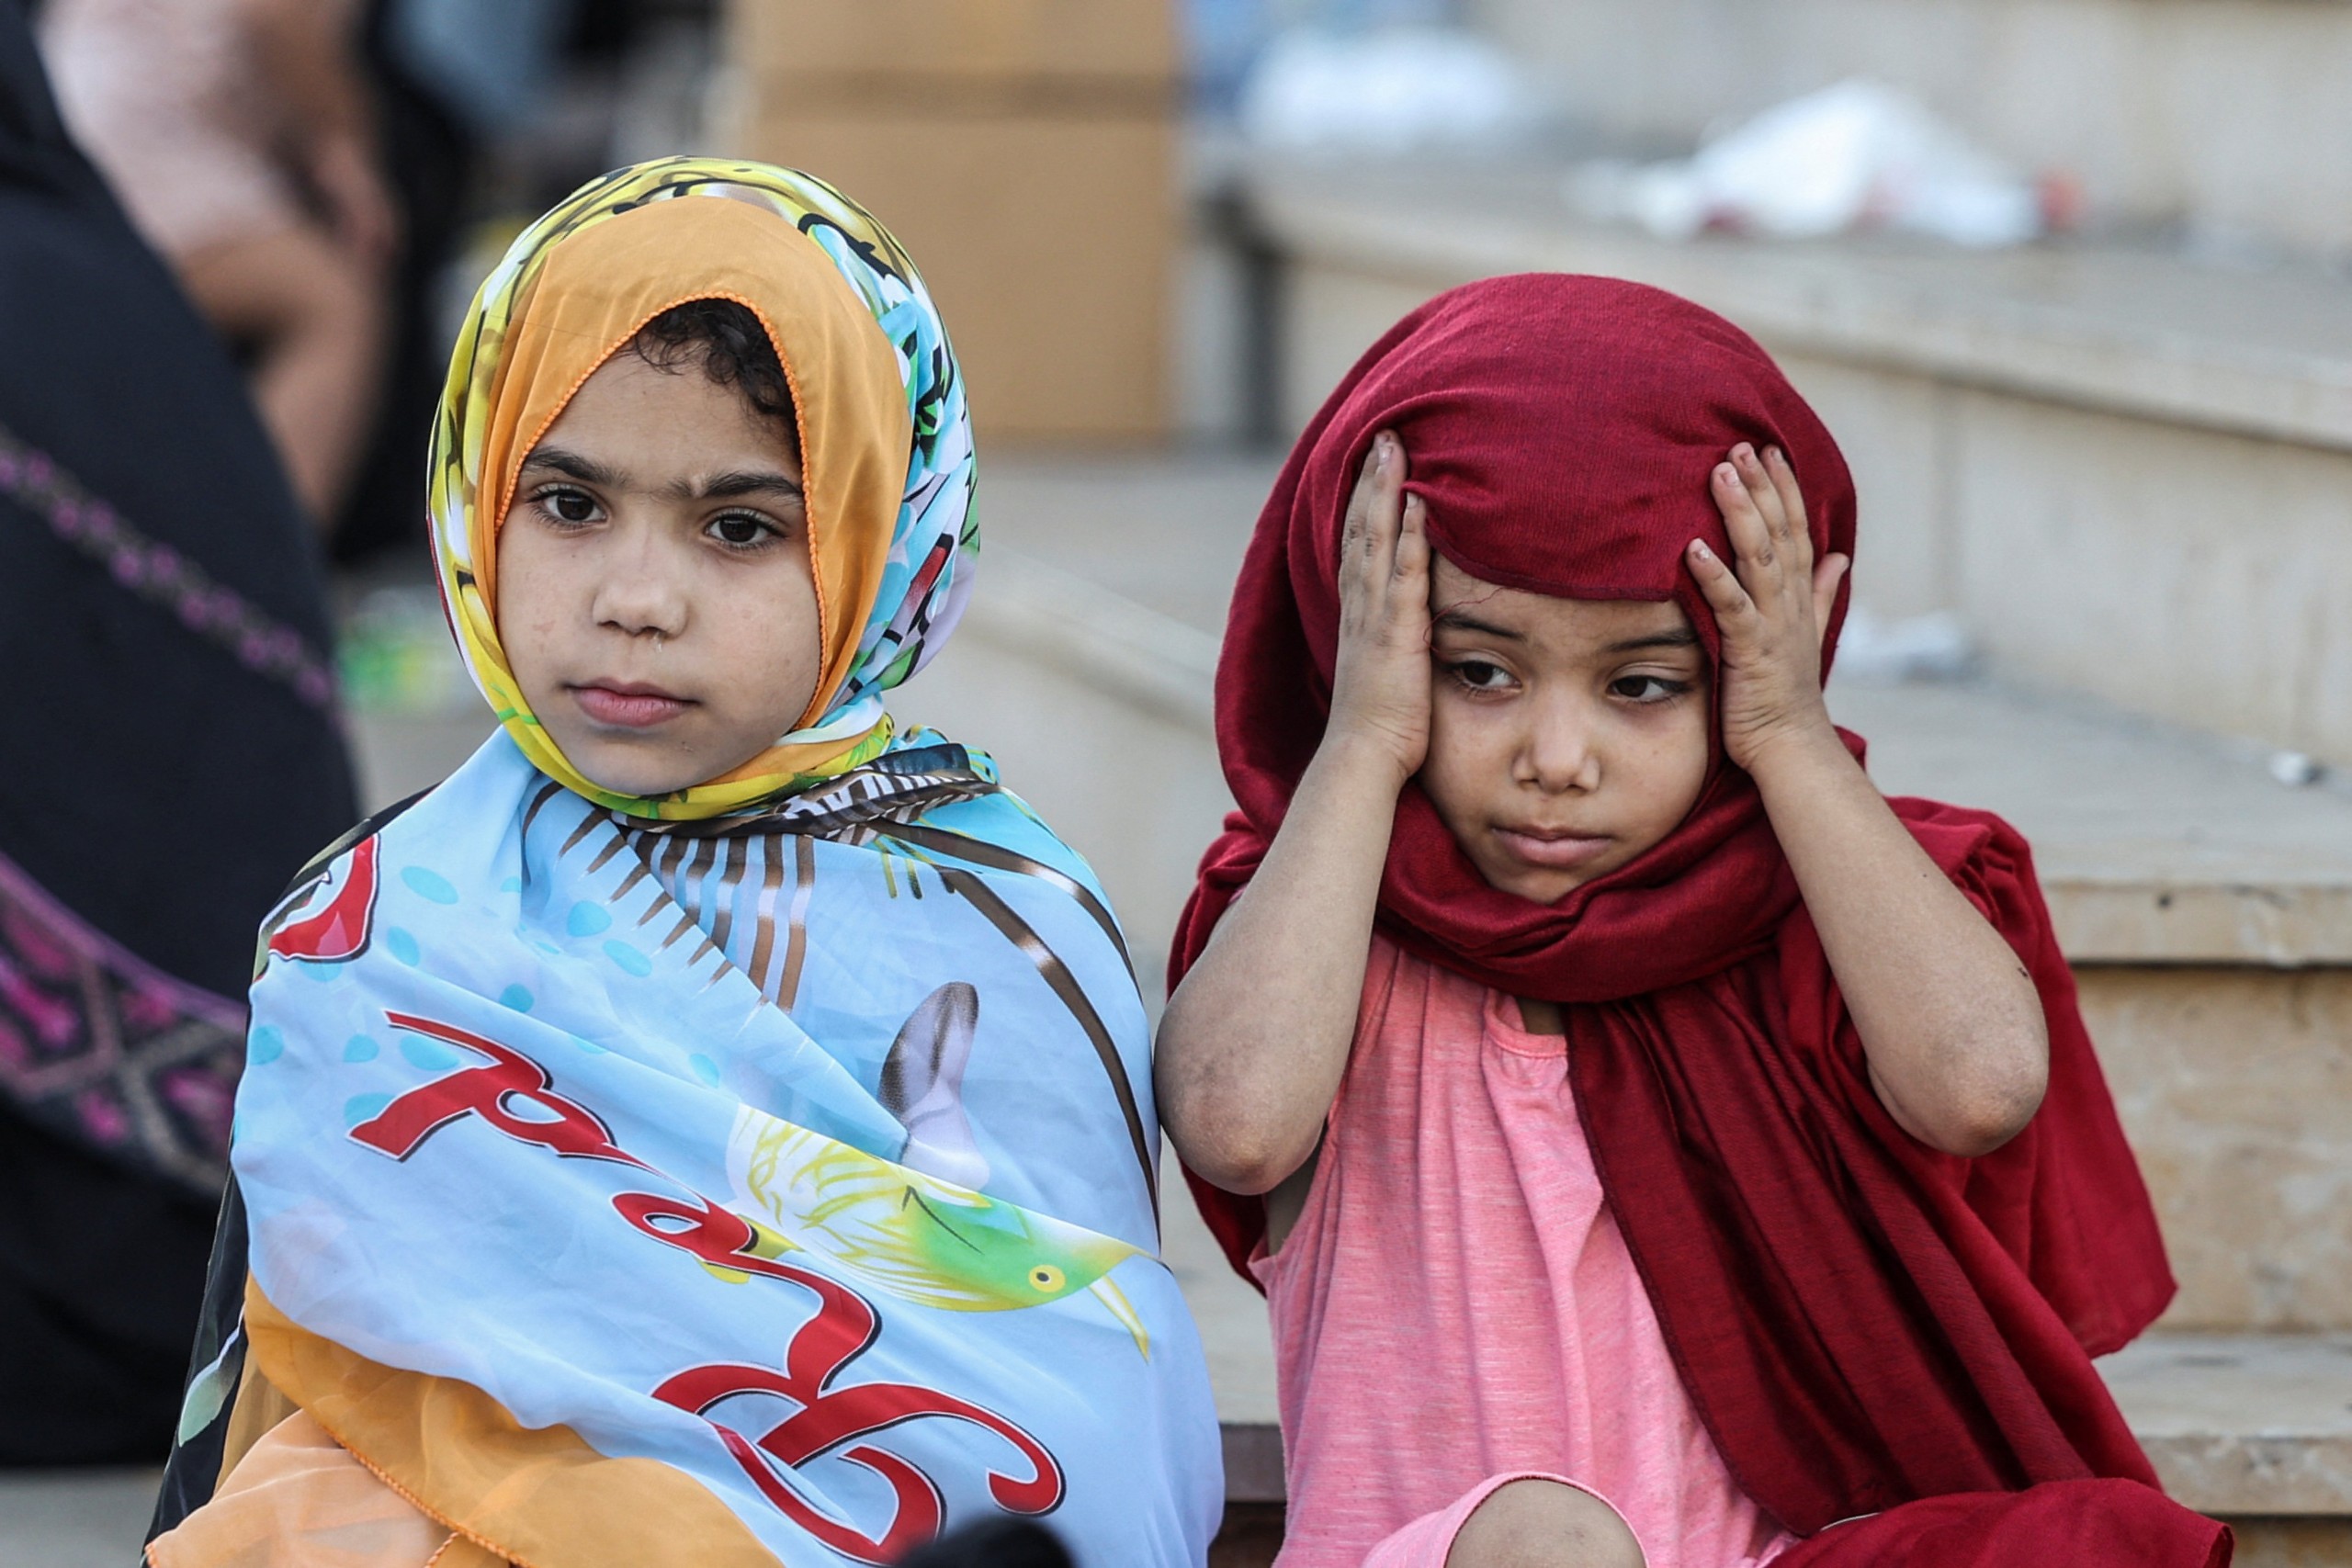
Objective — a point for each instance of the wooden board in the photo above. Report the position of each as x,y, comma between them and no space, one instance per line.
969,38
1046,242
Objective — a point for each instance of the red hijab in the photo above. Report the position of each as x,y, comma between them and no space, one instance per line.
1860,1320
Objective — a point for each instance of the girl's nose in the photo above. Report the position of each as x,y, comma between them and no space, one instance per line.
1559,756
637,595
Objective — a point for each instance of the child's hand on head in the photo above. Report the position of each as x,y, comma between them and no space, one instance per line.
1772,610
1950,1022
1252,1044
1380,688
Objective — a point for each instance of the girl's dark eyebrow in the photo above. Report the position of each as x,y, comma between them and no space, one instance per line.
1680,637
587,471
721,486
718,487
1464,621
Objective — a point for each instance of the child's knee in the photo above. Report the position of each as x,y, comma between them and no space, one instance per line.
1543,1524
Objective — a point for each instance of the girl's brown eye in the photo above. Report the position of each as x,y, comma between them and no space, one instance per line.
1479,676
572,506
1649,688
741,530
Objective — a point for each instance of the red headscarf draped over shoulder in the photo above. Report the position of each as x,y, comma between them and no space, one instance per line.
1860,1320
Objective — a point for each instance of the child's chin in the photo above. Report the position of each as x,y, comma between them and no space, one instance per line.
633,775
1533,884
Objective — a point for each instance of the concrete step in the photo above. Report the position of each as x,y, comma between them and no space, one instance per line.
75,1518
2157,846
2127,472
2243,1424
2206,910
2253,1428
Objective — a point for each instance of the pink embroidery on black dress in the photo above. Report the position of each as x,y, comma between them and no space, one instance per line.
160,575
101,1047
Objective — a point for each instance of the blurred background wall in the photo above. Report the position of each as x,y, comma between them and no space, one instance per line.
1024,151
2223,120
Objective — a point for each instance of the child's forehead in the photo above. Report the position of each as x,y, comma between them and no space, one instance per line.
664,420
1465,601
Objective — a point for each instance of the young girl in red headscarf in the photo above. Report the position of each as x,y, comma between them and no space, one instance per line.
1656,1146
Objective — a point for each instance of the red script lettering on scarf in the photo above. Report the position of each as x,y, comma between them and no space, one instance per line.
844,1328
577,1132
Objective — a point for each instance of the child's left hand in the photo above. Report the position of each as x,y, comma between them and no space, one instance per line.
1772,612
1951,1023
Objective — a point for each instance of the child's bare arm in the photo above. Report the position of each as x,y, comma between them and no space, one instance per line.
1953,1026
1254,1041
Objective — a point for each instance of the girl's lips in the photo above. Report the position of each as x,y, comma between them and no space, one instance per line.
1554,852
637,708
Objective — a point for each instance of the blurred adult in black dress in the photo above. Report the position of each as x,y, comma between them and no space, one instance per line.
169,759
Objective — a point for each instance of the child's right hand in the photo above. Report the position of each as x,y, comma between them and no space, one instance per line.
1380,688
1254,1041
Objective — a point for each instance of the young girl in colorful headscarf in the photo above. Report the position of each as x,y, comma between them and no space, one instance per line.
713,1127
1655,1145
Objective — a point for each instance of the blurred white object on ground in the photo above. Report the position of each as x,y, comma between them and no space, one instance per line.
2296,769
1854,155
1392,90
1933,646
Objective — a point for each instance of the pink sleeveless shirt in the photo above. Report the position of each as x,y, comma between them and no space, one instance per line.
1456,1302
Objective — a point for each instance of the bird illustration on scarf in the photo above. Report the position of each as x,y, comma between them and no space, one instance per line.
915,1227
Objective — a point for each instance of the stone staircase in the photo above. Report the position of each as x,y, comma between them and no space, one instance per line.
2204,907
2207,910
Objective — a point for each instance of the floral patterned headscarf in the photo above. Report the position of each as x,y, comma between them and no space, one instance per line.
885,440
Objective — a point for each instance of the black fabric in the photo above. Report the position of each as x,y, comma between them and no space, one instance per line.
993,1543
101,1272
195,1467
148,781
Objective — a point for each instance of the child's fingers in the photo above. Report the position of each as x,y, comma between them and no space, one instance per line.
1785,487
1412,543
1797,527
1761,494
1369,536
1384,504
1750,539
1356,530
1826,578
1732,607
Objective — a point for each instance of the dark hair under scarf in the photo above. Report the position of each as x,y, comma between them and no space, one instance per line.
168,757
